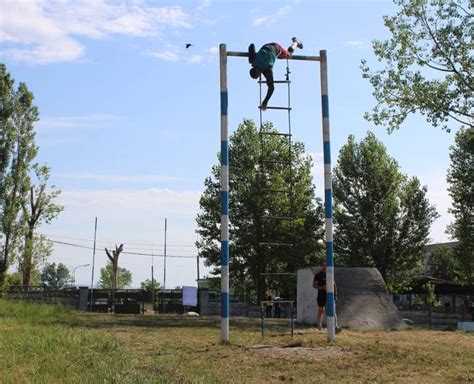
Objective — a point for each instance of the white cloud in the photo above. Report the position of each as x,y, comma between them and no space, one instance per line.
354,44
45,31
204,4
119,178
262,20
131,205
33,37
195,59
214,50
63,49
86,121
272,18
318,163
201,13
166,56
173,53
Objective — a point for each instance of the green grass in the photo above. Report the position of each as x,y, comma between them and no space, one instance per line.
52,344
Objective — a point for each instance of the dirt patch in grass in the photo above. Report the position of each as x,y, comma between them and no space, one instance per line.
298,352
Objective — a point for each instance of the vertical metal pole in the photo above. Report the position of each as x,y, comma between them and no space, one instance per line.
164,269
292,318
224,197
93,265
197,266
197,262
152,279
330,310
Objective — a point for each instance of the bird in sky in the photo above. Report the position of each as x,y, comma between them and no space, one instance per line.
188,45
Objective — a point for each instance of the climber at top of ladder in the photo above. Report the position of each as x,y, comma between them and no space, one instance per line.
263,60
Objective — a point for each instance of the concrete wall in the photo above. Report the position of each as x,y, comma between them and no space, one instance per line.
306,295
438,320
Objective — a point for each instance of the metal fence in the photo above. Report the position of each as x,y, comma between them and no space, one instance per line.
97,300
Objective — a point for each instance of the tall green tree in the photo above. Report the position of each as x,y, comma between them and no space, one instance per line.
107,275
40,249
263,188
461,189
56,276
149,287
7,131
443,264
428,64
382,217
18,149
38,207
13,280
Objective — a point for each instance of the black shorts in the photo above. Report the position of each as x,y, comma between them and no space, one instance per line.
321,298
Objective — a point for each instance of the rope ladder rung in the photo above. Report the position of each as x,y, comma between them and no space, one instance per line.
288,218
276,244
281,108
277,162
276,190
275,133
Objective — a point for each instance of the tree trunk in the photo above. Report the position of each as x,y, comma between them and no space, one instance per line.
3,271
4,264
115,283
115,269
27,265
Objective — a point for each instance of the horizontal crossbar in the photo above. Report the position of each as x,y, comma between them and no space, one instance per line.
276,82
294,57
268,302
276,273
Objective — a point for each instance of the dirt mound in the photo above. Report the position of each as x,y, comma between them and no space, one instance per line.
363,299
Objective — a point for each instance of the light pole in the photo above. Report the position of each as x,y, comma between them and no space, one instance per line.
74,272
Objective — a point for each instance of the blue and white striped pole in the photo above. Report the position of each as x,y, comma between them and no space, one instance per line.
224,197
330,305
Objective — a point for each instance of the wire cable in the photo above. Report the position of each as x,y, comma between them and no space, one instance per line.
123,252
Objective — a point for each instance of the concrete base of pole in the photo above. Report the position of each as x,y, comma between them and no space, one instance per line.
331,328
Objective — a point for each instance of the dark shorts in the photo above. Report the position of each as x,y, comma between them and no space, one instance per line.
321,298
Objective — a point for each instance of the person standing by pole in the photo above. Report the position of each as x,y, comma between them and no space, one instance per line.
319,283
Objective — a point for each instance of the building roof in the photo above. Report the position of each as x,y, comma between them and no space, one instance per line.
443,287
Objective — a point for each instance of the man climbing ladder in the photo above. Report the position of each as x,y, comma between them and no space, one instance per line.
263,60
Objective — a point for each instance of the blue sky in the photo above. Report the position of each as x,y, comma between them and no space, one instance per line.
130,119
